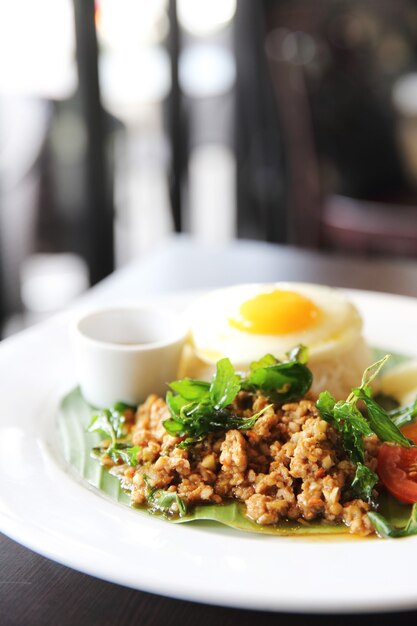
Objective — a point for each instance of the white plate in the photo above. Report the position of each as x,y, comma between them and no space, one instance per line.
45,507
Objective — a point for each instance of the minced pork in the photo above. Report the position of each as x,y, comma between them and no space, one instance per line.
290,465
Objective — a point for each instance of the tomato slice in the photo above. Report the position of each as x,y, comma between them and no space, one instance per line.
397,469
410,431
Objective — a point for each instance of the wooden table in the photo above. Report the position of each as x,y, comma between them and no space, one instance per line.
35,591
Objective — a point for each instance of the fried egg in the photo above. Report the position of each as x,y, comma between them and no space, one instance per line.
245,322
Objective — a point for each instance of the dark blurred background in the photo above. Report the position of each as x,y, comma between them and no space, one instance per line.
123,121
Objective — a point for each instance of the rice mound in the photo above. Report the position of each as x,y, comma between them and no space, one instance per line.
340,372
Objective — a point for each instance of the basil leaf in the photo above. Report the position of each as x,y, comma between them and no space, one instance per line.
364,481
108,423
380,422
128,454
121,407
404,415
346,413
216,421
175,403
387,530
283,382
174,427
411,528
225,385
160,500
163,500
372,372
101,424
325,405
382,526
197,427
298,353
353,426
266,360
191,390
199,408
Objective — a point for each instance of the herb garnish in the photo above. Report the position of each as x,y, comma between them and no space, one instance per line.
110,424
199,408
353,426
281,381
404,414
385,529
161,500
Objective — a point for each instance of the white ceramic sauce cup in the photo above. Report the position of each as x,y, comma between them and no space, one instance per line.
127,353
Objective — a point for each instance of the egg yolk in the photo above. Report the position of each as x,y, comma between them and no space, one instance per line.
276,313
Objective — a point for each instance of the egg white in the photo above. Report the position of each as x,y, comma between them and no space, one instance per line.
212,336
